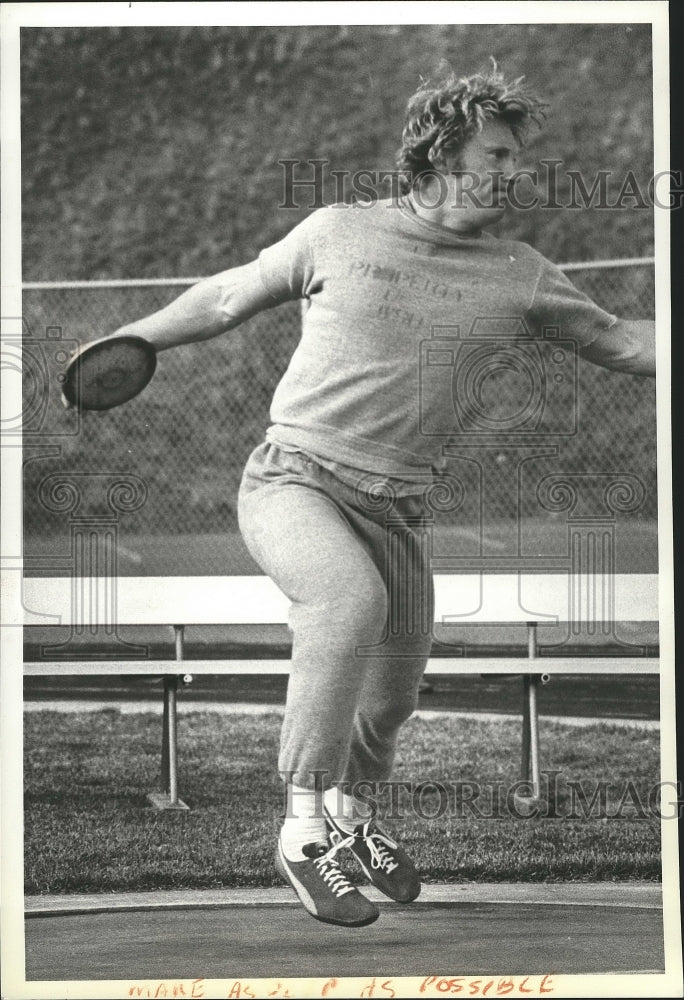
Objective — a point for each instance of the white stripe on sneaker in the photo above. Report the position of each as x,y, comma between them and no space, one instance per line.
301,891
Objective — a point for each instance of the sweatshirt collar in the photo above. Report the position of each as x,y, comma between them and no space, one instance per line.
433,230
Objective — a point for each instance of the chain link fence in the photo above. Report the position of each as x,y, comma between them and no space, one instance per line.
189,434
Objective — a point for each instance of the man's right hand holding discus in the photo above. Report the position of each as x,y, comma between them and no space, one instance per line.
113,370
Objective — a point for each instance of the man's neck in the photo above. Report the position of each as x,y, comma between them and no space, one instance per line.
460,223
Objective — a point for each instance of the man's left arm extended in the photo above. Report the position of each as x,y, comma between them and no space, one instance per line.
629,346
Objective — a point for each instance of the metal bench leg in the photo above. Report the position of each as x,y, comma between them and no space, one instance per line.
525,762
529,768
531,735
168,797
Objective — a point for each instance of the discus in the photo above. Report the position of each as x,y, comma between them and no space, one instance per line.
109,372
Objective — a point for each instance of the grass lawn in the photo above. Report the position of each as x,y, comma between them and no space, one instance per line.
89,827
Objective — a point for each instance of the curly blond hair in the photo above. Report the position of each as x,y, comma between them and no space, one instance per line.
446,112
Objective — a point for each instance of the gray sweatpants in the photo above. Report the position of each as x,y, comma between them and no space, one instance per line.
358,577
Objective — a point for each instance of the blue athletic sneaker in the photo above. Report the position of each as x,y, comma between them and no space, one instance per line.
323,888
385,863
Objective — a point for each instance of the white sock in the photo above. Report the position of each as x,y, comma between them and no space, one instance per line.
304,823
347,811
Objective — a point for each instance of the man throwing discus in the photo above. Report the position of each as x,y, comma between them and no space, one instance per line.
378,279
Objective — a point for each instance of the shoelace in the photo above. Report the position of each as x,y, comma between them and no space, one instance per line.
328,866
377,845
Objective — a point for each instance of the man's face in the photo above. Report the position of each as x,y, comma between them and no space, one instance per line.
477,179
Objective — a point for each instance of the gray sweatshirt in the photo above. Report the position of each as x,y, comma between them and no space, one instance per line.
405,321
